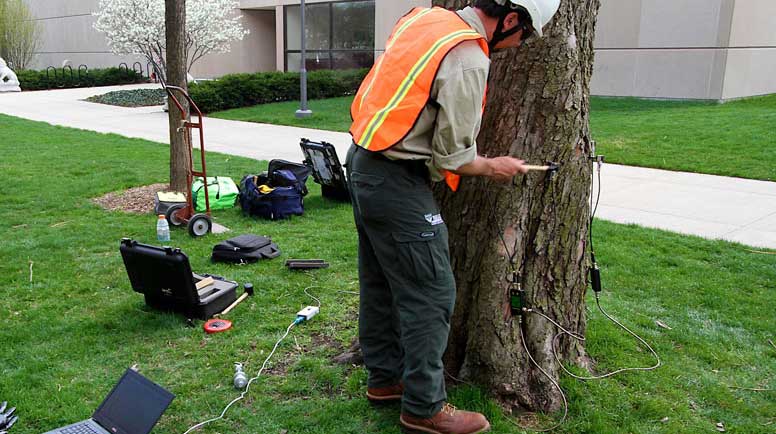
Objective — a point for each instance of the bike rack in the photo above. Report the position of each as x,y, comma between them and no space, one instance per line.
83,72
137,67
48,77
72,76
125,67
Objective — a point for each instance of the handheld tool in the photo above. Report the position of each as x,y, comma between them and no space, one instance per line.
218,324
550,167
248,293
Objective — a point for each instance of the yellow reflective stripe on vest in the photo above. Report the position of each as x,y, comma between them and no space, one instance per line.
379,117
395,37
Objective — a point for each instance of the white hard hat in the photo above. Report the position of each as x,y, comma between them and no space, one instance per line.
541,11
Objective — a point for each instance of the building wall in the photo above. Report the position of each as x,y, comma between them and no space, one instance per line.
661,48
68,35
254,53
387,13
699,49
696,49
751,59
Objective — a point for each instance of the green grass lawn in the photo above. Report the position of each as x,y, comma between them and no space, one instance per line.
732,139
328,114
73,324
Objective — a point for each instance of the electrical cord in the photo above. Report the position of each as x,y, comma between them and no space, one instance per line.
554,383
581,338
248,386
312,296
594,210
760,252
296,322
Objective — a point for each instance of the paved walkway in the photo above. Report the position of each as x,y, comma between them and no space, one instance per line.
709,206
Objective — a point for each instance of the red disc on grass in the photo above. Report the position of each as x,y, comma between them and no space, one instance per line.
217,325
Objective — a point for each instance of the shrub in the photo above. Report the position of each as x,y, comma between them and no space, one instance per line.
131,98
243,90
20,33
38,80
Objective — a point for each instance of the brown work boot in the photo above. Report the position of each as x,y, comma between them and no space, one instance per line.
381,395
449,420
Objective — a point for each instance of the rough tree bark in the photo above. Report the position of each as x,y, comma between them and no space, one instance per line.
175,23
538,110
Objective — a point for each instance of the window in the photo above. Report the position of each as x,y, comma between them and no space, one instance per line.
339,35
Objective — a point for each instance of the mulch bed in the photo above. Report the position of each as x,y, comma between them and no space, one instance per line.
137,200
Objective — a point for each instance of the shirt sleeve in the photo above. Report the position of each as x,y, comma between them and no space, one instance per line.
460,90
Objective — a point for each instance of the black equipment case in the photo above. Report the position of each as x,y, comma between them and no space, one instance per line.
322,160
163,275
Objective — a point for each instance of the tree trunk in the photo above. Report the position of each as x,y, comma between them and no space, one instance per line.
538,110
175,22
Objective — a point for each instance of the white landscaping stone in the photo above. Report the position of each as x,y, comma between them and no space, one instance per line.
9,82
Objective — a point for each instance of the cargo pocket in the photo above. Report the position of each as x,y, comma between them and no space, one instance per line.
417,254
366,192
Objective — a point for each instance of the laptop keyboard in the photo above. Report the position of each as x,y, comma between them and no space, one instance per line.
82,428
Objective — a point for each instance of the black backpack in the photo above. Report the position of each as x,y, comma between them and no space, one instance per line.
245,249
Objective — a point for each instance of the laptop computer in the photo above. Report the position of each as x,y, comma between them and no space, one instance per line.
133,407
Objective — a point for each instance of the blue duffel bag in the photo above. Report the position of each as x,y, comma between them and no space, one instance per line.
276,194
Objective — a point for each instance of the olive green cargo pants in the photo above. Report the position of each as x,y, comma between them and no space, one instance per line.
407,284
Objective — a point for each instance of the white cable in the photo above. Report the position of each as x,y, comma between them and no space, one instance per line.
248,386
574,335
312,296
618,371
263,365
552,380
581,338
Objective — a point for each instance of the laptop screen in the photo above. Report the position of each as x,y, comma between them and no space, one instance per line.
134,405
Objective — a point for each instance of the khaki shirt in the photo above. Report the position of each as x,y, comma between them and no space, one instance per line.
446,132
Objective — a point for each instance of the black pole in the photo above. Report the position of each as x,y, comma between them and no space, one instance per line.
304,111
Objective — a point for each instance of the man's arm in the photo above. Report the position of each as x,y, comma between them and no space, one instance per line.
501,169
460,87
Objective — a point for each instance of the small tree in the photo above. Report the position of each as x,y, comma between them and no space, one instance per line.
20,33
137,27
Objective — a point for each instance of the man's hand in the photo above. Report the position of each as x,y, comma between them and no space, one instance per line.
505,168
502,169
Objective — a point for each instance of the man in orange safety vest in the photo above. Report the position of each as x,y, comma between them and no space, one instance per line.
416,117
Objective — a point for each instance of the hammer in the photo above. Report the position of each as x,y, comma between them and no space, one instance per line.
248,292
551,167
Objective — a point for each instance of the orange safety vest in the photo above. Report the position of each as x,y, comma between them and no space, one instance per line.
397,89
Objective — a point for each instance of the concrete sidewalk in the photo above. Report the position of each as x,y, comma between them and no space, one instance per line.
713,207
66,107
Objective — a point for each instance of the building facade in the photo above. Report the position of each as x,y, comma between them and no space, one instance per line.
698,49
695,49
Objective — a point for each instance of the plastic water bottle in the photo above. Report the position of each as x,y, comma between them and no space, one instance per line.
162,229
240,379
